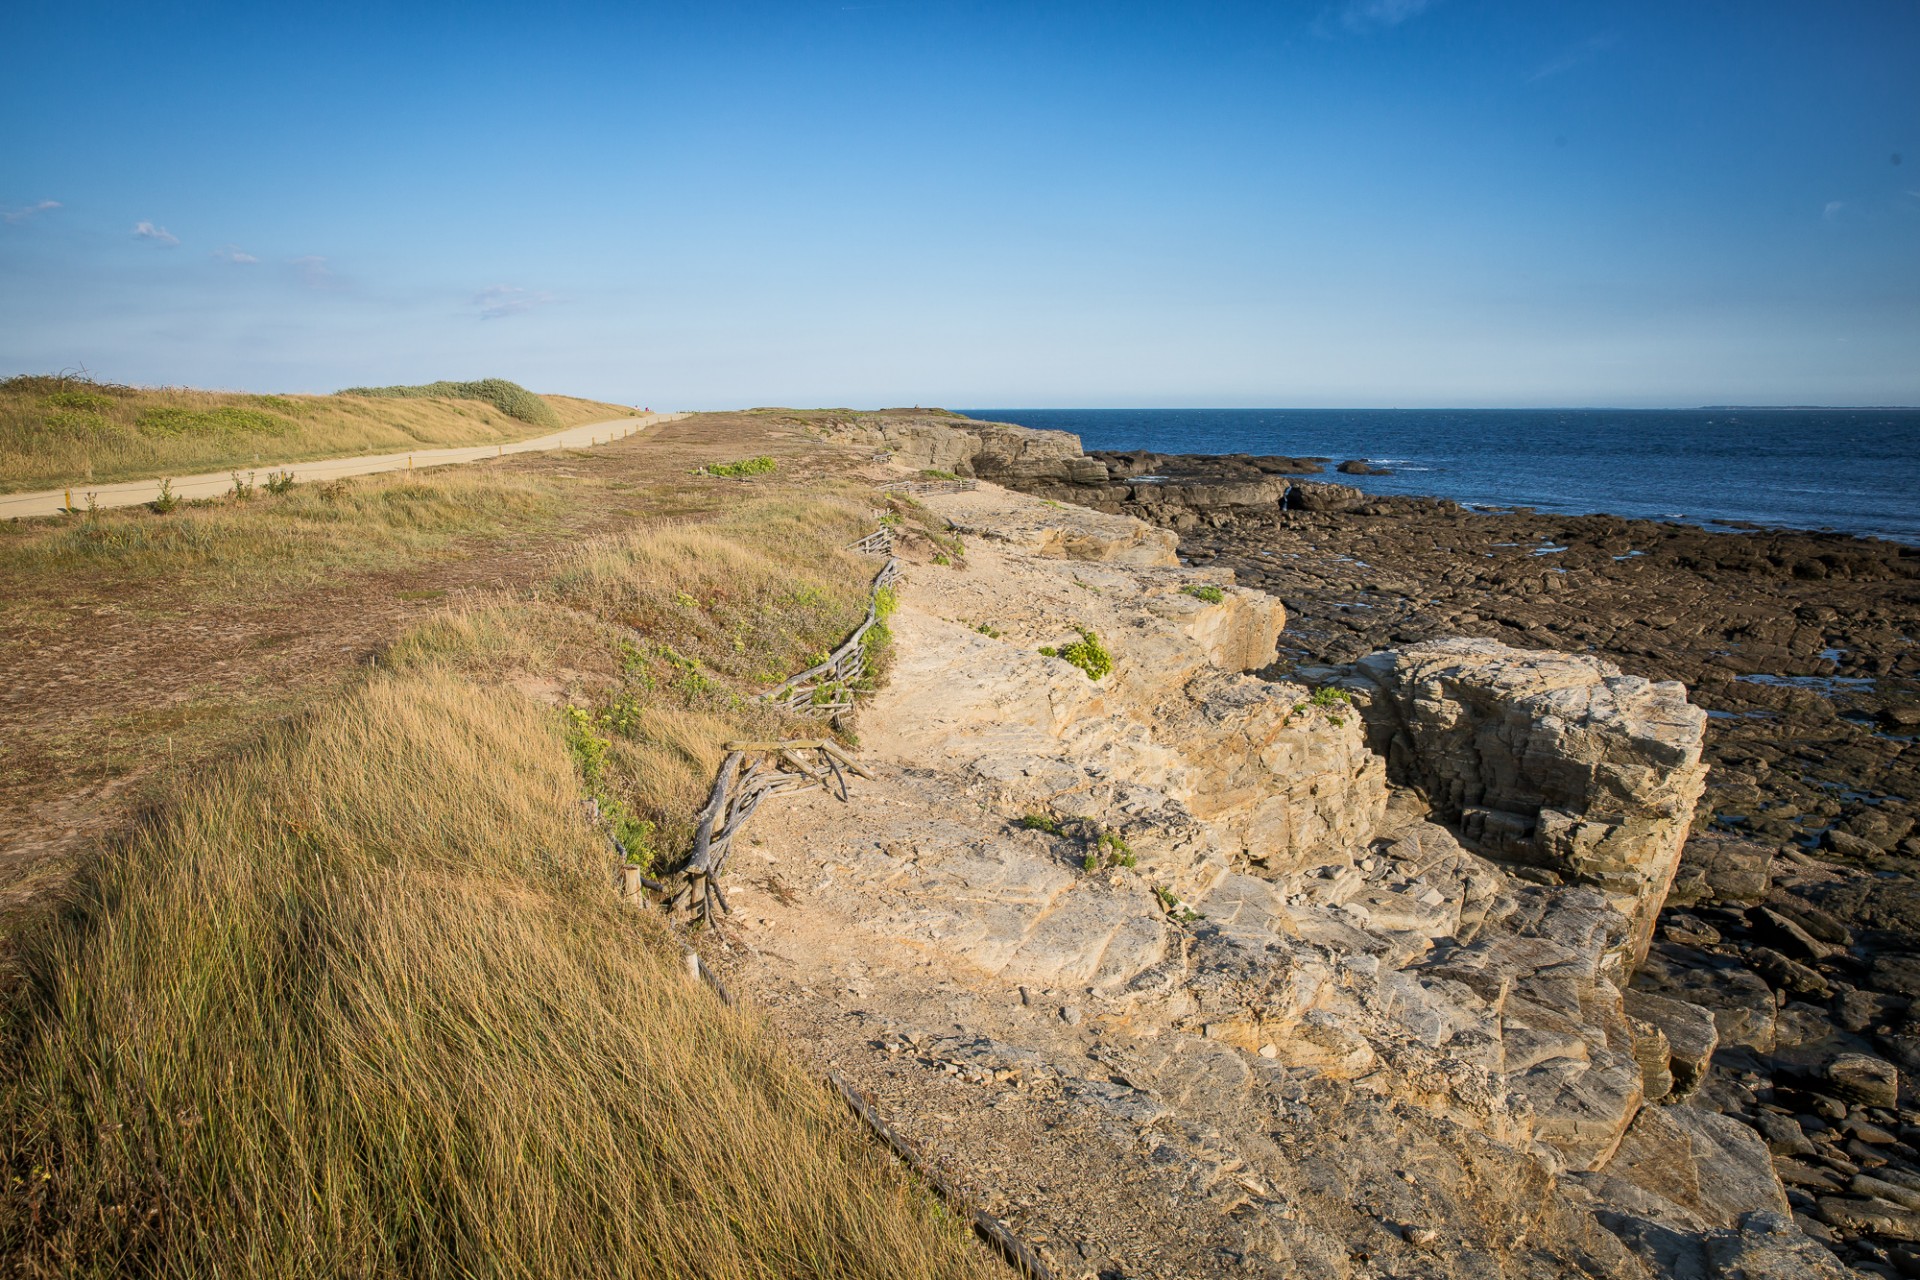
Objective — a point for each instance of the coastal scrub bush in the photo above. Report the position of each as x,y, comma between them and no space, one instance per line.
1204,591
280,483
164,501
1045,822
509,398
223,419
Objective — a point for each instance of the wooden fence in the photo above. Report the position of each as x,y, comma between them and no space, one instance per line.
827,687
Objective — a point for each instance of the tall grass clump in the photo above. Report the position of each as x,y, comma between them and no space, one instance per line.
362,1002
509,398
705,616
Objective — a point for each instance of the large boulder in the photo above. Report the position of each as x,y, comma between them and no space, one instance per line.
1550,759
1020,456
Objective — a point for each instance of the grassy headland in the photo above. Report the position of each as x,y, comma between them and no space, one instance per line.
60,430
357,996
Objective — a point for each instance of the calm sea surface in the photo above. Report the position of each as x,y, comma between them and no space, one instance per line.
1856,470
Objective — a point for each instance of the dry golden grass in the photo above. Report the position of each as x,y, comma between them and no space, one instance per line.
363,1003
306,534
58,430
692,621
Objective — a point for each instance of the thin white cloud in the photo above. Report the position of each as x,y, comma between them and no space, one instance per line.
233,253
1584,52
1377,15
160,235
1833,209
21,215
499,300
314,272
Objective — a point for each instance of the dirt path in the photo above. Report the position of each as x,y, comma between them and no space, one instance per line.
211,484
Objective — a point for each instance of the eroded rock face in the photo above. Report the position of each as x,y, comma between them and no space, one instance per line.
1555,760
1295,988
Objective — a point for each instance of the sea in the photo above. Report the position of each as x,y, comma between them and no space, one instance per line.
1850,470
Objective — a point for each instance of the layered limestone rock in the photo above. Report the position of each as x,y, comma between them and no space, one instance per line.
1188,898
1554,760
1057,532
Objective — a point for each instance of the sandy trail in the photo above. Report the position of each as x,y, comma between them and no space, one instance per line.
133,493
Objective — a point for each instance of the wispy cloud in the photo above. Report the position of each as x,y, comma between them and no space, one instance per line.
1586,51
160,235
1833,210
21,215
499,300
1377,15
233,253
314,272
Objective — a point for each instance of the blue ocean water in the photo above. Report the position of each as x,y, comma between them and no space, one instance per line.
1854,470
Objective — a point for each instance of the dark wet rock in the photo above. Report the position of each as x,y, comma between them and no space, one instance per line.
1783,1135
1865,1078
1859,1011
1785,974
1786,934
1361,467
1742,1005
1688,930
1324,497
1722,868
1896,974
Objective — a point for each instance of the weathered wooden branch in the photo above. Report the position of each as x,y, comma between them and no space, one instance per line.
1002,1241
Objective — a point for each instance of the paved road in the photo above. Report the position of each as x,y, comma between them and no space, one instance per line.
132,493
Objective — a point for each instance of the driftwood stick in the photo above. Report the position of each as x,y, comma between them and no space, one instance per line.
1002,1241
793,744
838,777
836,751
703,838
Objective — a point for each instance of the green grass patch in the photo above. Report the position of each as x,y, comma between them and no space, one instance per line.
1204,591
509,398
759,466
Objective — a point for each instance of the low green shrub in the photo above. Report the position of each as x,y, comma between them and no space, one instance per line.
759,466
509,398
1204,591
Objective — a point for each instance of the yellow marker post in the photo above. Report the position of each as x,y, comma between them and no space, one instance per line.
409,462
69,499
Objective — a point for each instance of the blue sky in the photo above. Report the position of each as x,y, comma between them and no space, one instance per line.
1352,203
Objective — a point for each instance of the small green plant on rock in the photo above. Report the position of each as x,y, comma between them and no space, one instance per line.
1044,822
1327,698
988,630
1110,849
1204,591
1086,653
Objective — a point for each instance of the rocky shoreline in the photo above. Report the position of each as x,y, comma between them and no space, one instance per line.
1793,917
